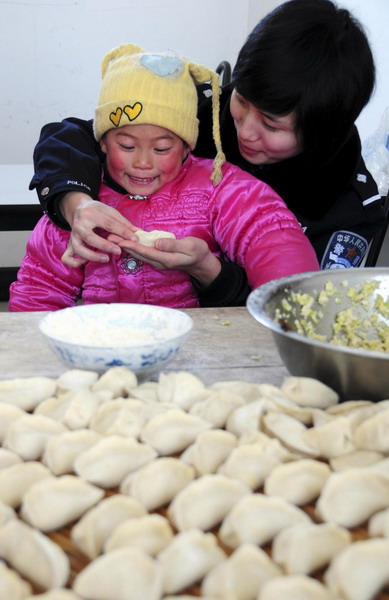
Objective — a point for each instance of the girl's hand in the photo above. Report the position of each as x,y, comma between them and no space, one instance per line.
188,254
84,215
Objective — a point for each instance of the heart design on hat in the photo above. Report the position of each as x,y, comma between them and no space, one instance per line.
115,116
133,111
164,66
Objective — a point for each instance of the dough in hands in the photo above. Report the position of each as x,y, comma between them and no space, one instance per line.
148,238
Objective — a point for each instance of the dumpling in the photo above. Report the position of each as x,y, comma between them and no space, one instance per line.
156,484
58,594
8,414
148,238
119,380
372,434
146,391
350,497
187,559
289,431
27,393
250,464
282,403
12,586
355,459
331,439
204,502
248,417
294,587
81,407
97,524
33,555
268,445
248,391
16,479
151,533
28,435
360,571
306,547
299,482
257,519
8,458
57,501
209,450
125,573
217,407
62,450
76,379
109,460
180,388
241,576
119,417
310,392
172,431
378,525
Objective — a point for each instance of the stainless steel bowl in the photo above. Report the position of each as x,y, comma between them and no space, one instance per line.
354,373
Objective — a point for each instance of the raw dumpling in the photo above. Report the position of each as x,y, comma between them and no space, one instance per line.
125,574
146,391
61,450
33,555
248,391
16,479
209,450
97,524
188,558
331,439
205,502
119,417
180,388
306,547
299,482
6,513
12,586
306,391
172,431
350,497
82,406
8,414
58,594
241,576
27,393
294,587
217,407
28,435
249,464
378,525
248,417
282,403
372,434
289,431
76,379
151,533
355,459
156,484
119,380
8,458
148,238
57,501
256,519
109,460
360,571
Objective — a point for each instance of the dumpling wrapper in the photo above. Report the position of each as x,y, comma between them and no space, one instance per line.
123,574
151,533
294,587
158,482
28,392
33,555
209,450
298,482
256,519
12,586
111,459
172,431
306,547
62,450
28,435
350,497
148,238
204,502
98,523
57,501
186,560
16,480
360,571
241,576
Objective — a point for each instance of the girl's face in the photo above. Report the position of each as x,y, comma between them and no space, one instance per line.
263,138
142,158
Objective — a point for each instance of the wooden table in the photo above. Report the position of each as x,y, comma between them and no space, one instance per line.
225,344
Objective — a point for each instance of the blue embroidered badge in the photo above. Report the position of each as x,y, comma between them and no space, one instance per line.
344,250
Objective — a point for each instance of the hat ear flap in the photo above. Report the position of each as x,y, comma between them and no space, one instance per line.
124,49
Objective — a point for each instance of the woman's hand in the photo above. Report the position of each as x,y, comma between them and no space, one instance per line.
84,215
188,254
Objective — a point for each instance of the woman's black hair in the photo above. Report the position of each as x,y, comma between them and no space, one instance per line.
313,58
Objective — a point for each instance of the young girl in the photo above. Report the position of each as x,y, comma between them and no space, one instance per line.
146,124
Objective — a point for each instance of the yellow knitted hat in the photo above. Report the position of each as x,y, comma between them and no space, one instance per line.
155,89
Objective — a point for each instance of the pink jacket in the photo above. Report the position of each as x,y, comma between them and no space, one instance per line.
242,218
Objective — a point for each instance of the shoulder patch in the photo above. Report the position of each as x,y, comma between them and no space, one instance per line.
345,250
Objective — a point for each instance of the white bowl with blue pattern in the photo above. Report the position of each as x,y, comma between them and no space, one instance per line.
142,337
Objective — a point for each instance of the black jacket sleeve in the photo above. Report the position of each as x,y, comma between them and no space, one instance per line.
66,158
230,288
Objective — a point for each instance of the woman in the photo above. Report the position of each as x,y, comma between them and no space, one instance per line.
301,80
